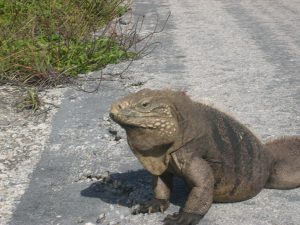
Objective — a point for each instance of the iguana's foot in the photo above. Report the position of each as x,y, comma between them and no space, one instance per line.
182,218
152,206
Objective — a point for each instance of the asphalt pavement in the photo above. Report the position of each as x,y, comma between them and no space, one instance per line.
240,56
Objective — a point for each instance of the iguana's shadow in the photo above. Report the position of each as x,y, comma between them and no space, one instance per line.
130,188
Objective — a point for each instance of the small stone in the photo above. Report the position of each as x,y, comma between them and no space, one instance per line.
87,173
124,22
101,218
79,220
107,174
98,176
112,131
139,83
118,138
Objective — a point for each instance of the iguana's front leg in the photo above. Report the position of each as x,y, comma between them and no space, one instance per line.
199,177
162,186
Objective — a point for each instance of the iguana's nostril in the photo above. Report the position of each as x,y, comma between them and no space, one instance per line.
112,115
122,105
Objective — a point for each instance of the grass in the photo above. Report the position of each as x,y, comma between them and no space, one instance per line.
45,42
30,101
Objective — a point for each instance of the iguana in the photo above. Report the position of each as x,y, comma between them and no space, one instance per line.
220,159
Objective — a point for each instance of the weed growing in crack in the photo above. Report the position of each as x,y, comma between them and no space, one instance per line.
31,101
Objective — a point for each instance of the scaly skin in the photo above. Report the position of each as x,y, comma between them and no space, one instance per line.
219,158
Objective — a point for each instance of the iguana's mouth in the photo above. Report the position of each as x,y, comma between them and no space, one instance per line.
115,113
121,119
117,117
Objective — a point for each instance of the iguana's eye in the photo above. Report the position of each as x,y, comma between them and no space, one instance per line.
145,104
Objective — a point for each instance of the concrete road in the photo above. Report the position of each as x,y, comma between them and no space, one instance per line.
241,56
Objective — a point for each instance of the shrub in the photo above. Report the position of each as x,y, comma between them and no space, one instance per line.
43,42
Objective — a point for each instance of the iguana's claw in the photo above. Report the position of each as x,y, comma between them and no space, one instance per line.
152,206
182,218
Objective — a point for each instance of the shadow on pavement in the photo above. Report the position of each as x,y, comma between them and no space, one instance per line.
130,188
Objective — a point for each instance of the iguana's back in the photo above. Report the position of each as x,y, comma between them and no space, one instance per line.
240,165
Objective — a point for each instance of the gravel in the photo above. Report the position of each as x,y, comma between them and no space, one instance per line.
22,139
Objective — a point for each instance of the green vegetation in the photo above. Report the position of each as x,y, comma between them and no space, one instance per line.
43,42
31,101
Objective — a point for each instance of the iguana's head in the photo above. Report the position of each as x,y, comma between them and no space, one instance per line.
149,116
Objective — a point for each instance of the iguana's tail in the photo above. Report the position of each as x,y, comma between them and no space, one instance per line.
285,163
